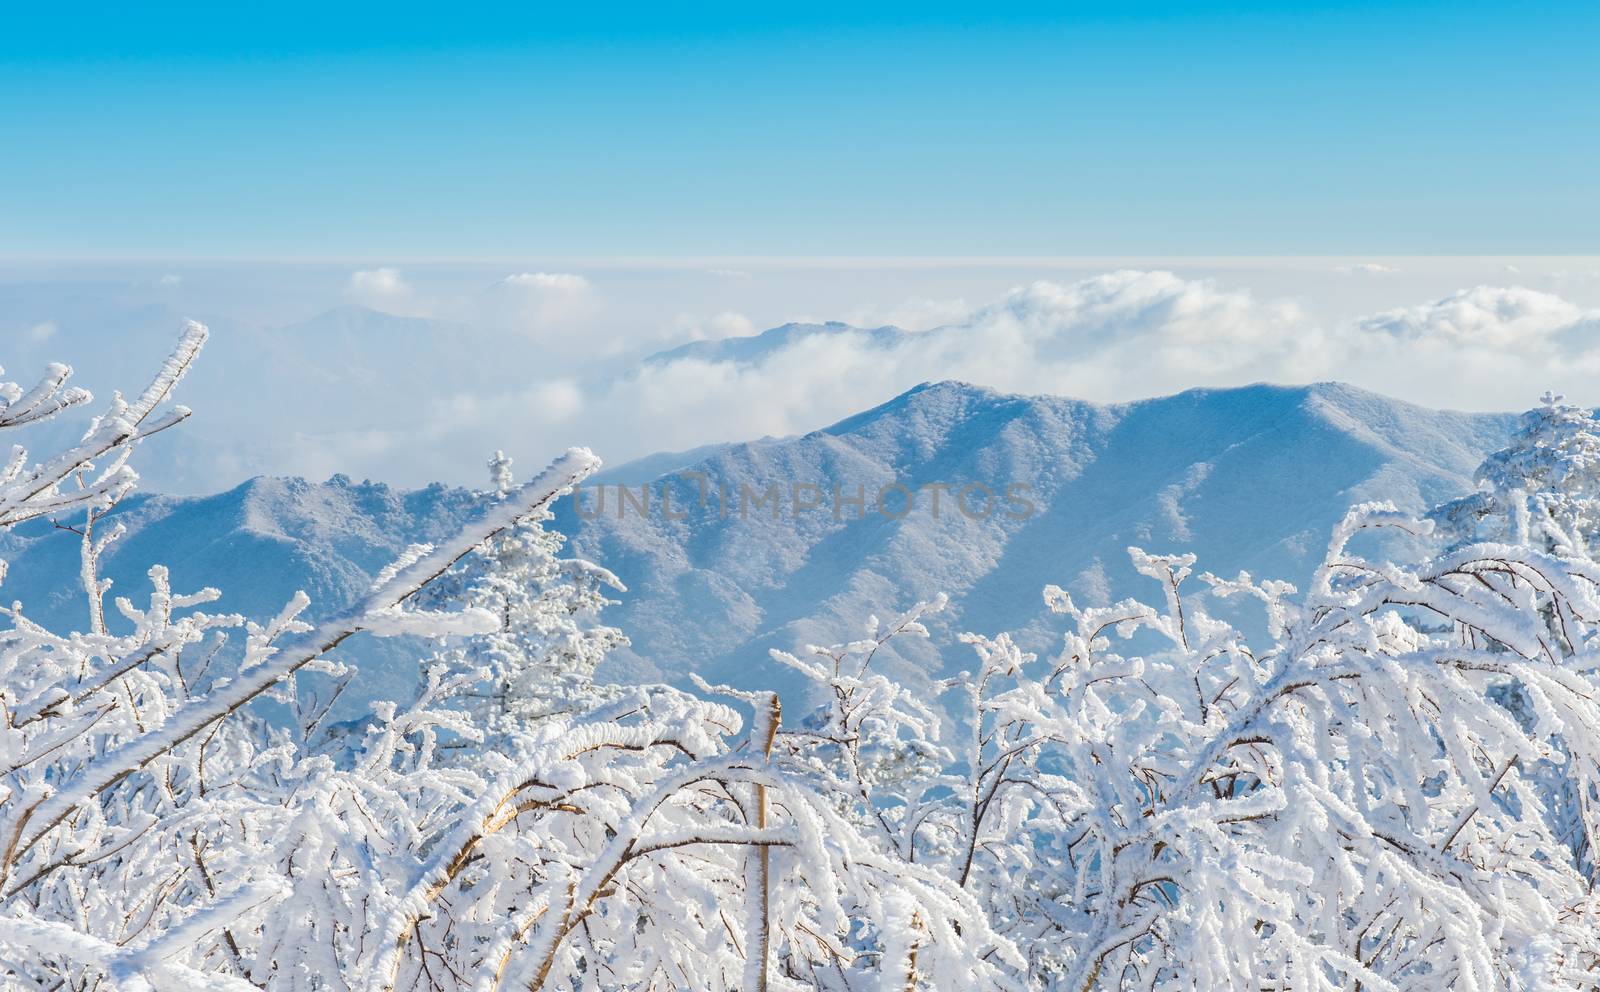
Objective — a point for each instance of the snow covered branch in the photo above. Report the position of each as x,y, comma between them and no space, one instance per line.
29,491
1397,787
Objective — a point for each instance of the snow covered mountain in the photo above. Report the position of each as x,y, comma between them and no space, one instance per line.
258,543
1248,478
753,348
396,370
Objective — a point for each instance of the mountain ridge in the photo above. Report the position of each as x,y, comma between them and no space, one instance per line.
747,348
1247,477
1168,486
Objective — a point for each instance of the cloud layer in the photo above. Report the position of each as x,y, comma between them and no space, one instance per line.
1114,337
378,288
533,361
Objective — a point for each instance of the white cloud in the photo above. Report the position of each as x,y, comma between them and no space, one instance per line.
557,400
1492,315
380,288
557,282
727,324
1114,336
911,315
1579,277
1368,268
1117,337
554,308
533,378
545,402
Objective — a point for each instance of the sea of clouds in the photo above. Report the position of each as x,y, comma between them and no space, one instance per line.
532,361
1118,336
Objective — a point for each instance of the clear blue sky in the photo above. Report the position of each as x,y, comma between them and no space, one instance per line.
467,131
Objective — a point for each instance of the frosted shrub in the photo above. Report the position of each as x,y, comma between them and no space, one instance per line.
155,834
1395,790
1345,806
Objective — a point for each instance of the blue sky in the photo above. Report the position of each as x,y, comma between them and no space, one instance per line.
389,133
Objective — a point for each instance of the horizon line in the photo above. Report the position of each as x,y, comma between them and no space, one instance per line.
778,262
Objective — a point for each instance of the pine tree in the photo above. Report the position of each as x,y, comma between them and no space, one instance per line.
1542,489
540,664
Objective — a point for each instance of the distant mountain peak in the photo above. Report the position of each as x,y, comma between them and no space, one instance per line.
1249,477
357,317
748,349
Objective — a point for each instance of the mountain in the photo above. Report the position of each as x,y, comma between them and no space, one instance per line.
652,467
393,359
258,543
752,348
1247,478
402,374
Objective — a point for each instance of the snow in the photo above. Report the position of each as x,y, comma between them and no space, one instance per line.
258,543
713,595
1249,478
753,348
1389,779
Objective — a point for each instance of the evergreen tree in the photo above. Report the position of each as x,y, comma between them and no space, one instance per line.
540,664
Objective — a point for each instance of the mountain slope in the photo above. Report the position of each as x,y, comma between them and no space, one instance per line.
365,383
1248,478
258,543
752,348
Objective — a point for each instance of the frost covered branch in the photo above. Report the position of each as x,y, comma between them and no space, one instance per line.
1396,787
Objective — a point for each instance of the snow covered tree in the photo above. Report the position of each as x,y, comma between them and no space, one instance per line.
137,794
1543,488
34,490
156,835
875,741
1159,805
540,661
649,847
976,812
1346,806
